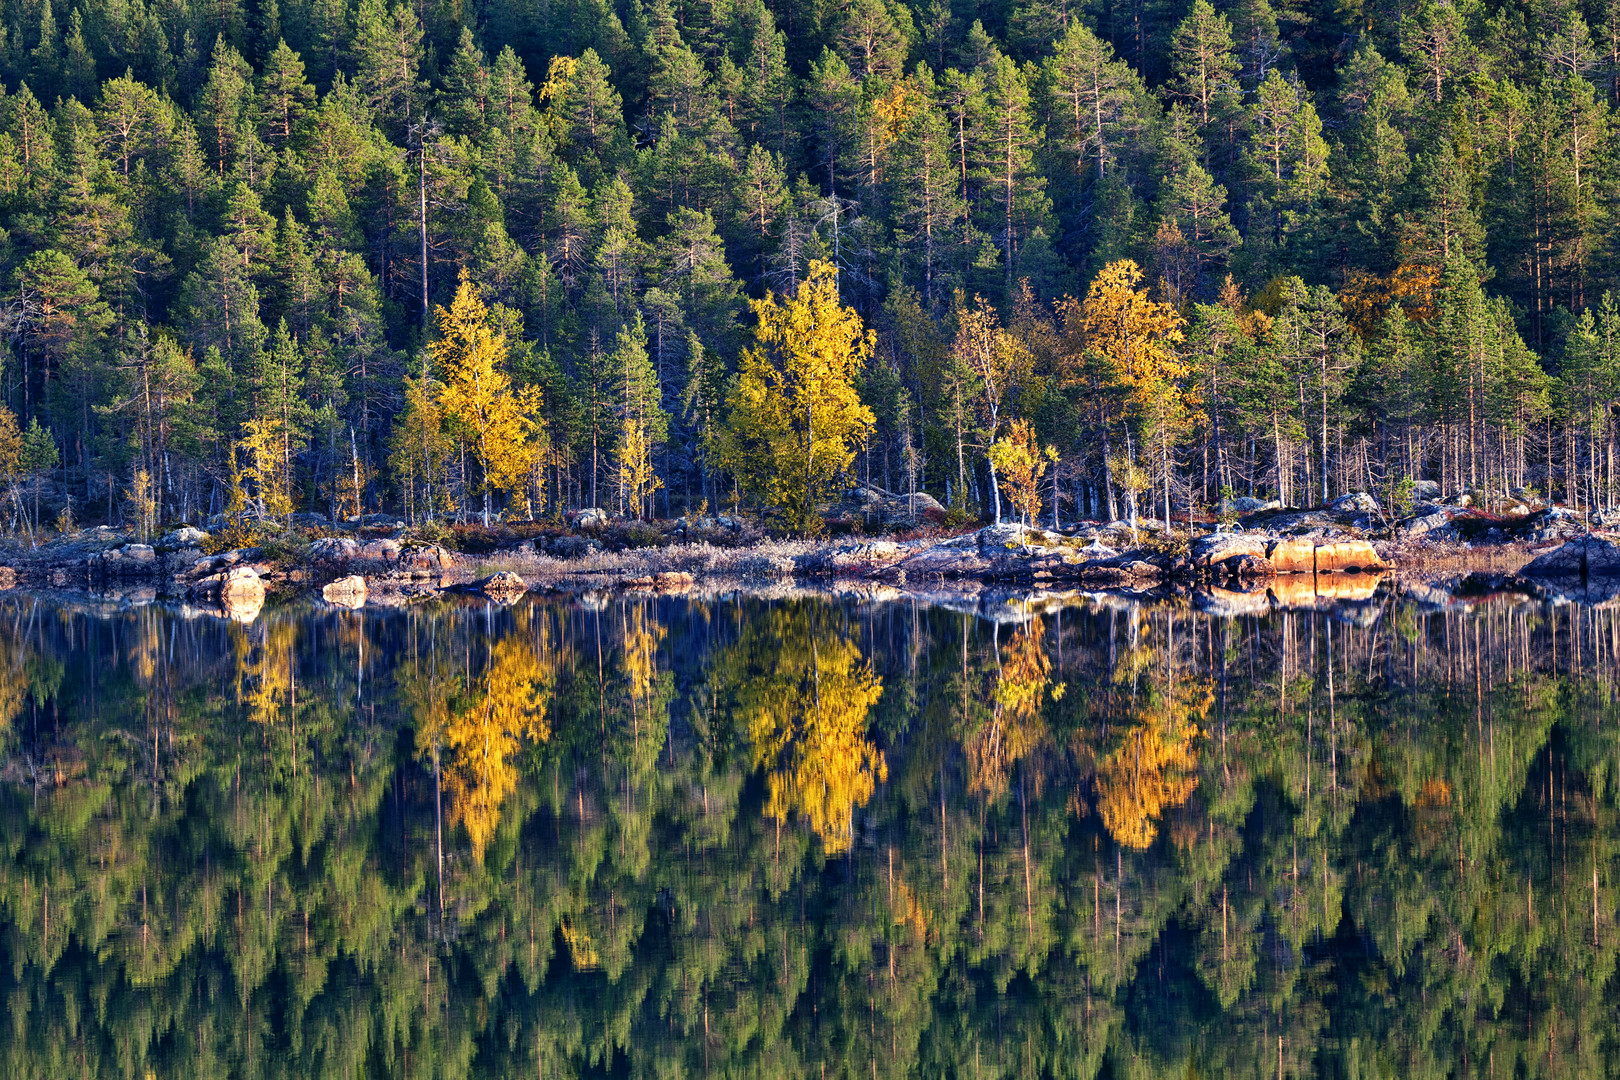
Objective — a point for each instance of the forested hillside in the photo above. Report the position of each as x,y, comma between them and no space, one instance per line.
1161,248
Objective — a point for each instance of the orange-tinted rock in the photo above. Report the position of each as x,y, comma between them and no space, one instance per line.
1347,555
1293,556
346,592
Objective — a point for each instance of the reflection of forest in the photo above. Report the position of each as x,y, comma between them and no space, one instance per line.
793,838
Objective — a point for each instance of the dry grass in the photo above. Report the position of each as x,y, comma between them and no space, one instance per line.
766,558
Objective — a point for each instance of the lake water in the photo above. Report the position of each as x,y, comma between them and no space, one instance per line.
668,837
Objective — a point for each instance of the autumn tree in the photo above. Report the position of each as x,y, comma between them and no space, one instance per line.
1021,461
500,422
1139,336
796,417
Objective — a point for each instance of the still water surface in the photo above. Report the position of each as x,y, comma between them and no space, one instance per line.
809,837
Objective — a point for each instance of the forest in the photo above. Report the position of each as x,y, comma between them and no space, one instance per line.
507,259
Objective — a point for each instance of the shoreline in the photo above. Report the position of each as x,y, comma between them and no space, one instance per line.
994,568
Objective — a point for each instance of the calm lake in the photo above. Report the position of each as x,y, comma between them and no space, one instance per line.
670,837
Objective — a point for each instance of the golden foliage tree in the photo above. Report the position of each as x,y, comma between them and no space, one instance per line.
1139,335
421,449
996,360
1020,462
636,477
502,422
264,446
796,417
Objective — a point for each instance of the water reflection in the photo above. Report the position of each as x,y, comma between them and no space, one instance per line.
677,837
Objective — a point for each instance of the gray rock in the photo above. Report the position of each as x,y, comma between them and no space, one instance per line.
592,517
504,586
375,521
1209,552
185,536
1426,489
1428,525
573,547
1355,503
1591,556
333,549
1243,504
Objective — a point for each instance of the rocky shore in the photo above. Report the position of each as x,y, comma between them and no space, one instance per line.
1259,557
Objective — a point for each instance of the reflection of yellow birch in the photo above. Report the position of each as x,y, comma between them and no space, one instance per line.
480,738
1151,770
1015,726
806,717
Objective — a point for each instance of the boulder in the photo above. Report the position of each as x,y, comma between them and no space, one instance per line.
1430,525
1293,556
668,581
1425,489
240,592
425,557
877,506
139,553
378,551
592,517
1243,504
375,521
308,520
346,592
1347,555
8,578
336,550
1590,556
185,536
504,586
1210,552
1357,503
573,547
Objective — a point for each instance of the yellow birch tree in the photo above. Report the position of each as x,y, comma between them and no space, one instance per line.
503,423
796,416
1138,335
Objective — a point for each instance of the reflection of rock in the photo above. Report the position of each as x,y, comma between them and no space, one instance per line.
346,592
670,581
1346,555
8,578
1329,588
1601,591
1231,604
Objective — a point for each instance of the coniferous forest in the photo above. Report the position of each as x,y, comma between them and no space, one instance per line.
513,258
